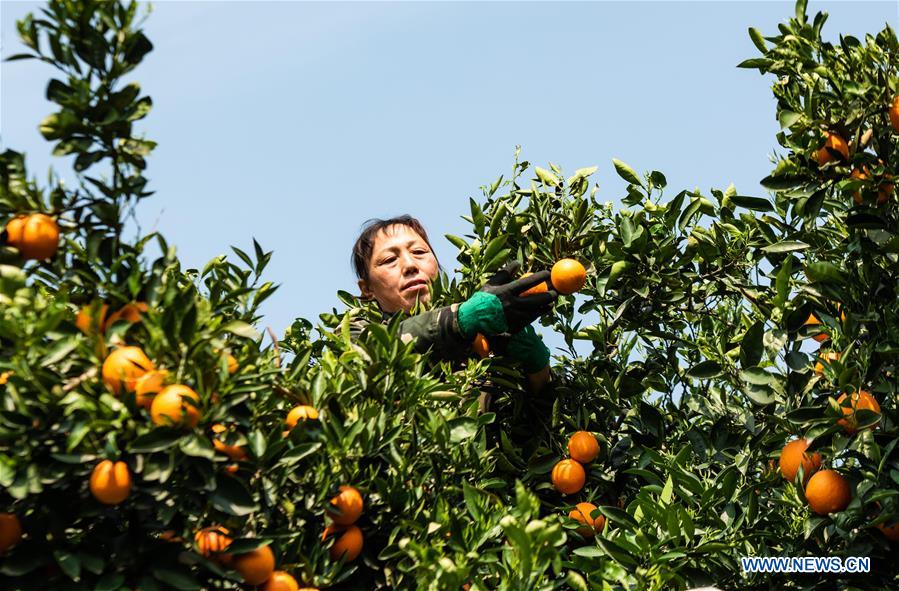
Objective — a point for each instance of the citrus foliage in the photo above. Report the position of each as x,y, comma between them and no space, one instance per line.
696,311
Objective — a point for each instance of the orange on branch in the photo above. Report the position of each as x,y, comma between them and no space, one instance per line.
583,447
591,526
539,288
860,400
212,541
10,531
36,236
123,367
568,276
827,492
833,144
813,321
348,543
827,357
345,507
890,531
110,482
255,566
176,405
130,313
894,114
148,385
303,412
568,477
280,581
481,346
235,452
793,455
232,364
90,323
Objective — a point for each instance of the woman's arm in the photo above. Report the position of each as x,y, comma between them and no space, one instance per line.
434,330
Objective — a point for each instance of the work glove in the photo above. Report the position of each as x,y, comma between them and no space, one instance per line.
498,307
527,348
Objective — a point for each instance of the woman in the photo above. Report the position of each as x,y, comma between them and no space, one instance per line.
394,263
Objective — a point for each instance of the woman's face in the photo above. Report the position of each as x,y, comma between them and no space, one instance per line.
400,268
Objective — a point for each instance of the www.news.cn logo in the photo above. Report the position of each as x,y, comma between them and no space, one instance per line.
806,564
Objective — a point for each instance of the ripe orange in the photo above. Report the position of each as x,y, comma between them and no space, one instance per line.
170,535
813,320
583,447
299,413
255,566
10,531
890,531
827,492
36,236
568,477
232,364
894,114
833,142
568,276
793,454
124,366
481,346
90,323
346,506
348,543
212,541
884,190
829,356
110,483
169,407
859,400
235,452
148,385
280,581
591,526
130,313
539,288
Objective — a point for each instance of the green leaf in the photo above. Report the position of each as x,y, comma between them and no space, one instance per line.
705,370
752,348
546,177
618,516
110,582
457,242
788,118
786,246
756,36
462,428
299,452
156,440
69,564
178,579
241,329
758,376
626,172
232,497
753,203
823,272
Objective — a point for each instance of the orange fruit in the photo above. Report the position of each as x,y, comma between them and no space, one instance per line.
148,385
828,357
894,114
583,447
110,483
481,346
90,323
890,531
124,366
859,400
539,288
590,526
835,143
568,477
36,236
255,566
212,541
232,364
169,407
813,320
235,452
10,531
346,506
827,492
299,413
130,313
884,190
171,535
793,454
568,276
348,543
280,581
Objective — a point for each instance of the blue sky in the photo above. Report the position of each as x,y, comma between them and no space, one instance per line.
294,122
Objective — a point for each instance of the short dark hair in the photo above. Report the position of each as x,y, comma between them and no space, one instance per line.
365,243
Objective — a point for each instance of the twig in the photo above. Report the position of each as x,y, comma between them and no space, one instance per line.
74,383
274,337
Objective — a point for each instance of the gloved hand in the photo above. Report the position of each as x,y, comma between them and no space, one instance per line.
527,348
498,307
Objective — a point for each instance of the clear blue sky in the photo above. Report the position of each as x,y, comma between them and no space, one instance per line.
294,122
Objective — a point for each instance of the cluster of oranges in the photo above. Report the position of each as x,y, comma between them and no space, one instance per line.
256,567
836,149
35,235
568,477
567,276
344,510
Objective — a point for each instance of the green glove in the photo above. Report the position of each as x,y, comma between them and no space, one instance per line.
482,313
527,348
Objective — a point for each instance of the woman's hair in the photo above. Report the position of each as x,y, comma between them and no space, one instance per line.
365,243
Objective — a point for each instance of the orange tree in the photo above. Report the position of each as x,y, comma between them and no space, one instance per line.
361,464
